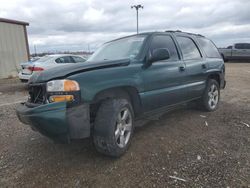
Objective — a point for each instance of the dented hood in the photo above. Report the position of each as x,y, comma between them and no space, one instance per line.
64,71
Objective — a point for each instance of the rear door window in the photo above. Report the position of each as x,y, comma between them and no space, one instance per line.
209,48
188,48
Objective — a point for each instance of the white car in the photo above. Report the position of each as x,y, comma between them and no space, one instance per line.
47,62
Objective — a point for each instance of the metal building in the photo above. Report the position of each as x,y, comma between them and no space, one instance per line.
14,48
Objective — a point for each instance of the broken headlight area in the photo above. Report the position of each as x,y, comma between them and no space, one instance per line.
54,91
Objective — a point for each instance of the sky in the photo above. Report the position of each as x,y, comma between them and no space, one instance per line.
80,25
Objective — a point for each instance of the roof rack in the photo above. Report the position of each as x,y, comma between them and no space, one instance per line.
173,31
184,32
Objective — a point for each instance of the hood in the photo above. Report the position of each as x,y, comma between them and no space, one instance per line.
64,71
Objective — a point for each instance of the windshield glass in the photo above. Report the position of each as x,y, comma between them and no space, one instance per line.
45,59
120,49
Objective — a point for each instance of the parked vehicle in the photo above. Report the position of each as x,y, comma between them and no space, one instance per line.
124,80
239,51
46,62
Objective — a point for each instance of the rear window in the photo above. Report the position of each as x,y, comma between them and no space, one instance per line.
45,59
209,48
65,59
78,59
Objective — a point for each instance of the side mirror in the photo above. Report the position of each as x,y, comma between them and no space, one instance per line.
159,54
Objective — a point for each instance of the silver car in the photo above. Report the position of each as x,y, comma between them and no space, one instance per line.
47,62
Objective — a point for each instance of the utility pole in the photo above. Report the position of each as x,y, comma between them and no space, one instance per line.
137,7
35,49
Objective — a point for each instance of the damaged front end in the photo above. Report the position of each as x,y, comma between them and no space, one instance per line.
56,111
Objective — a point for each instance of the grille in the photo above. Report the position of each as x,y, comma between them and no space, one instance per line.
37,93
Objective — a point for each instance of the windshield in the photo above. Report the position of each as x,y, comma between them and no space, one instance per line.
120,49
44,59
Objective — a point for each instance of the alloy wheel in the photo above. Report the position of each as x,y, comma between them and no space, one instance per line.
213,96
123,127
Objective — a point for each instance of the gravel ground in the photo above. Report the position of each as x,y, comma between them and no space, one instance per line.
202,149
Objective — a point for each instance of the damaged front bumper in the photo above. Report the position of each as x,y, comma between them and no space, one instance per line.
56,120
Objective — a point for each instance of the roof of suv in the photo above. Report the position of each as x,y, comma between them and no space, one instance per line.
150,33
170,31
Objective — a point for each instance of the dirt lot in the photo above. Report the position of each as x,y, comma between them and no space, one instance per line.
178,144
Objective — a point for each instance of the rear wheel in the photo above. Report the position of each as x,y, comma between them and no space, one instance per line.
211,96
113,127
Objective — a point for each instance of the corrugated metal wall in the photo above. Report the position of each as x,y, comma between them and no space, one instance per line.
12,49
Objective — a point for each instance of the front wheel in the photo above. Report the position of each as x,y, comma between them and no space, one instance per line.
113,128
211,96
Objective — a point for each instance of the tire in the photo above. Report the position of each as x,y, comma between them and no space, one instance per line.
110,137
211,96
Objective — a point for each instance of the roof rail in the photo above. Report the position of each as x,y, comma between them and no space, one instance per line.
173,31
184,32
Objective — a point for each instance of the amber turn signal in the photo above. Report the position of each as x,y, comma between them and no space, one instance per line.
61,98
71,85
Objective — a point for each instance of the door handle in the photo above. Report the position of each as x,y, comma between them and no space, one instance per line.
182,68
204,66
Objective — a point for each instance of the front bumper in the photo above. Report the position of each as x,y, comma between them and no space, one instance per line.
56,120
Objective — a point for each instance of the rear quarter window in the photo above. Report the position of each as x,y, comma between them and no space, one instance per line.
209,48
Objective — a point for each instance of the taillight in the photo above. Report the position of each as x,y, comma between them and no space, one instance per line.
35,69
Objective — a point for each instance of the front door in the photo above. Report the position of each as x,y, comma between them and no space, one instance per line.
163,80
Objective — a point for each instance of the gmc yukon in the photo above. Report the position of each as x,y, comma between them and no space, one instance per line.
125,79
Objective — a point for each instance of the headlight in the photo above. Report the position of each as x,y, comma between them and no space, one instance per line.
62,90
62,85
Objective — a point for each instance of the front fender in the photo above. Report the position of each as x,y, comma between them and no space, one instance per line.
94,82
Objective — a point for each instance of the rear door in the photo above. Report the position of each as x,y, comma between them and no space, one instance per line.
196,66
164,79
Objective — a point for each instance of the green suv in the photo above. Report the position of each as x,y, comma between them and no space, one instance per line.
125,79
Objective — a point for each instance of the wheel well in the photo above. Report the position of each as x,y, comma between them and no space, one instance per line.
215,77
223,57
128,92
